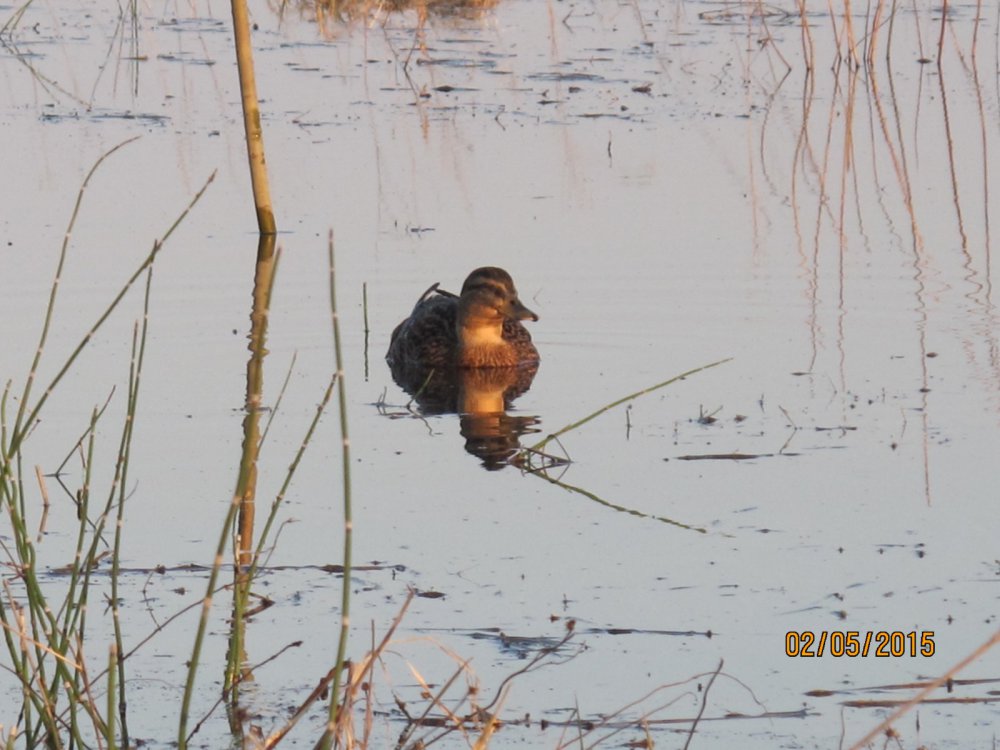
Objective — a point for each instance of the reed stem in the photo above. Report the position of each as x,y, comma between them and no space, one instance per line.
542,443
326,740
251,118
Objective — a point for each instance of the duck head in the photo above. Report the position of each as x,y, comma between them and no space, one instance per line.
488,297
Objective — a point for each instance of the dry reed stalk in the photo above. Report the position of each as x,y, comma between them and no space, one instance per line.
888,37
762,14
897,151
701,707
931,687
982,123
944,21
876,25
952,167
251,118
852,45
808,51
846,167
357,679
586,728
492,723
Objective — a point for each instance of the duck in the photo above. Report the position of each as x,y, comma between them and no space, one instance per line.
479,328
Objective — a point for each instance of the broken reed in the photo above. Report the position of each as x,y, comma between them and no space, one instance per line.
253,131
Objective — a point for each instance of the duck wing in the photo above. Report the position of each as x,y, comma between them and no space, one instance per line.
428,336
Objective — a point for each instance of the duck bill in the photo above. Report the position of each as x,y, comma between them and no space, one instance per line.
519,312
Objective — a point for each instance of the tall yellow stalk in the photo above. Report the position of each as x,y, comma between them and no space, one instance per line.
251,119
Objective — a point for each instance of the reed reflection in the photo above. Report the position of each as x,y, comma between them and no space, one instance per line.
470,354
245,496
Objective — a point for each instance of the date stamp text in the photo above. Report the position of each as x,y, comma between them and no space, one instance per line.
880,643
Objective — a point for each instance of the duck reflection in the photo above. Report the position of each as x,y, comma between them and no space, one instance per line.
470,354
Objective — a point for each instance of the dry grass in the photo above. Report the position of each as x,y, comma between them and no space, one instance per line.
346,12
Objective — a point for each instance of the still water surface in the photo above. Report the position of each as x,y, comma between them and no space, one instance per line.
670,184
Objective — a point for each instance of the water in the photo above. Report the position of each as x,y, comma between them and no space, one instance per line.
664,196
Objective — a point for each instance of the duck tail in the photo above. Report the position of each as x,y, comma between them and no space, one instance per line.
431,291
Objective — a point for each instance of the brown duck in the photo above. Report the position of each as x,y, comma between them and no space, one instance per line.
481,327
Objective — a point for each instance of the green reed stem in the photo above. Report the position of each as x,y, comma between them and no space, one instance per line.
326,740
278,399
135,378
75,604
3,426
199,639
279,498
541,444
46,642
72,451
53,292
12,23
21,426
34,623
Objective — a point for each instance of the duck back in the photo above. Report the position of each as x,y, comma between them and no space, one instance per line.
428,337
